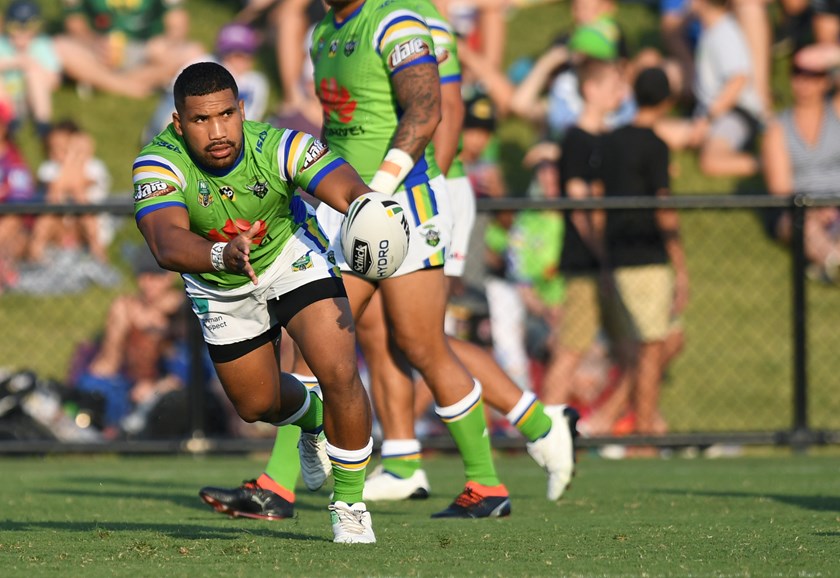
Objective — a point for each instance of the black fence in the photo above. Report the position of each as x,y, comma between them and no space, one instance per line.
758,365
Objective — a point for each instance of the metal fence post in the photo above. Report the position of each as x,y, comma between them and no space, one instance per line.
196,387
800,434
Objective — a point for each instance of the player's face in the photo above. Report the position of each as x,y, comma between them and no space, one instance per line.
212,128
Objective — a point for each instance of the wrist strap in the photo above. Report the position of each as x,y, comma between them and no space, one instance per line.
217,256
394,168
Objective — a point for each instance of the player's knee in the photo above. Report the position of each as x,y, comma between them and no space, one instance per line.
256,408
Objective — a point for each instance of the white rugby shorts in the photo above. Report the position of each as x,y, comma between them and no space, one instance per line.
233,315
429,214
462,201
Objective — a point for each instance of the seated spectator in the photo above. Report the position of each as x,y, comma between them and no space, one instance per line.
16,185
126,48
730,110
801,154
129,366
680,31
30,70
72,174
236,49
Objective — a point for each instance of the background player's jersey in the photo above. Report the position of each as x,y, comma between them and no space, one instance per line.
354,61
259,187
449,67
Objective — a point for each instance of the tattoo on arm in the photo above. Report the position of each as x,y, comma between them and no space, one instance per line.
417,89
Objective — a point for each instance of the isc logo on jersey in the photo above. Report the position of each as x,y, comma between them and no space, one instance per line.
153,189
315,151
405,52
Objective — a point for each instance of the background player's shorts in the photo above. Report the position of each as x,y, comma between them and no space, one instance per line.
429,216
230,316
462,200
647,293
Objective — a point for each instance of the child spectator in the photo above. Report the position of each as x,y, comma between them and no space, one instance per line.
72,174
236,49
730,110
16,185
583,259
31,70
645,252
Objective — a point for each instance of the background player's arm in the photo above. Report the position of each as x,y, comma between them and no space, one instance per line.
417,90
448,131
175,247
339,188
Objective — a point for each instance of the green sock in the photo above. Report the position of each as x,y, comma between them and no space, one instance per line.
349,485
313,420
534,424
401,457
284,464
469,430
348,467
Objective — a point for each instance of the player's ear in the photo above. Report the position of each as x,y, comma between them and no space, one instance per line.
242,108
176,122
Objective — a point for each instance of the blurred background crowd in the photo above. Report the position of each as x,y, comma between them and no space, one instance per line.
738,93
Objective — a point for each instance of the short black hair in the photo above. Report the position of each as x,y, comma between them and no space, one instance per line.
651,87
200,79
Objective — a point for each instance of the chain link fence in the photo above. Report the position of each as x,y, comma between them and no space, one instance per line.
757,364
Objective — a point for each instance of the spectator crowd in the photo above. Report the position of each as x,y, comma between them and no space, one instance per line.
585,307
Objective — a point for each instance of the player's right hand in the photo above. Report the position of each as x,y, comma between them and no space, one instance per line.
237,253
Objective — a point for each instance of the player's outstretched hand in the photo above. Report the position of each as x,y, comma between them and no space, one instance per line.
237,253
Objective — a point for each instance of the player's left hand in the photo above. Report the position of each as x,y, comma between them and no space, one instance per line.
237,253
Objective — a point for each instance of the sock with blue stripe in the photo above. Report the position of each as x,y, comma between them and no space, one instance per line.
348,468
401,457
528,416
468,426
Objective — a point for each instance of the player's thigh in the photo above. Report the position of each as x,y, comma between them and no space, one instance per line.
414,307
253,380
325,334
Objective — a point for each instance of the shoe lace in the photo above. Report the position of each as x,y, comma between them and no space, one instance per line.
250,485
468,498
350,520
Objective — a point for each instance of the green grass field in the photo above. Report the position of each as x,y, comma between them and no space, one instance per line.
110,516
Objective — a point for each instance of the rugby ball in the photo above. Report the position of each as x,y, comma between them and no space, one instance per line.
374,236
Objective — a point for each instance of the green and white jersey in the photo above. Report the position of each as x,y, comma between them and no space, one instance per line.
354,61
449,67
260,187
137,19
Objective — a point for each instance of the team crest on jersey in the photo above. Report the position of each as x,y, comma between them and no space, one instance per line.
431,234
316,150
227,193
407,51
303,263
149,190
259,188
333,48
349,47
205,199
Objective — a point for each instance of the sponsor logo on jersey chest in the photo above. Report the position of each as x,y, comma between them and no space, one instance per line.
227,192
349,47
